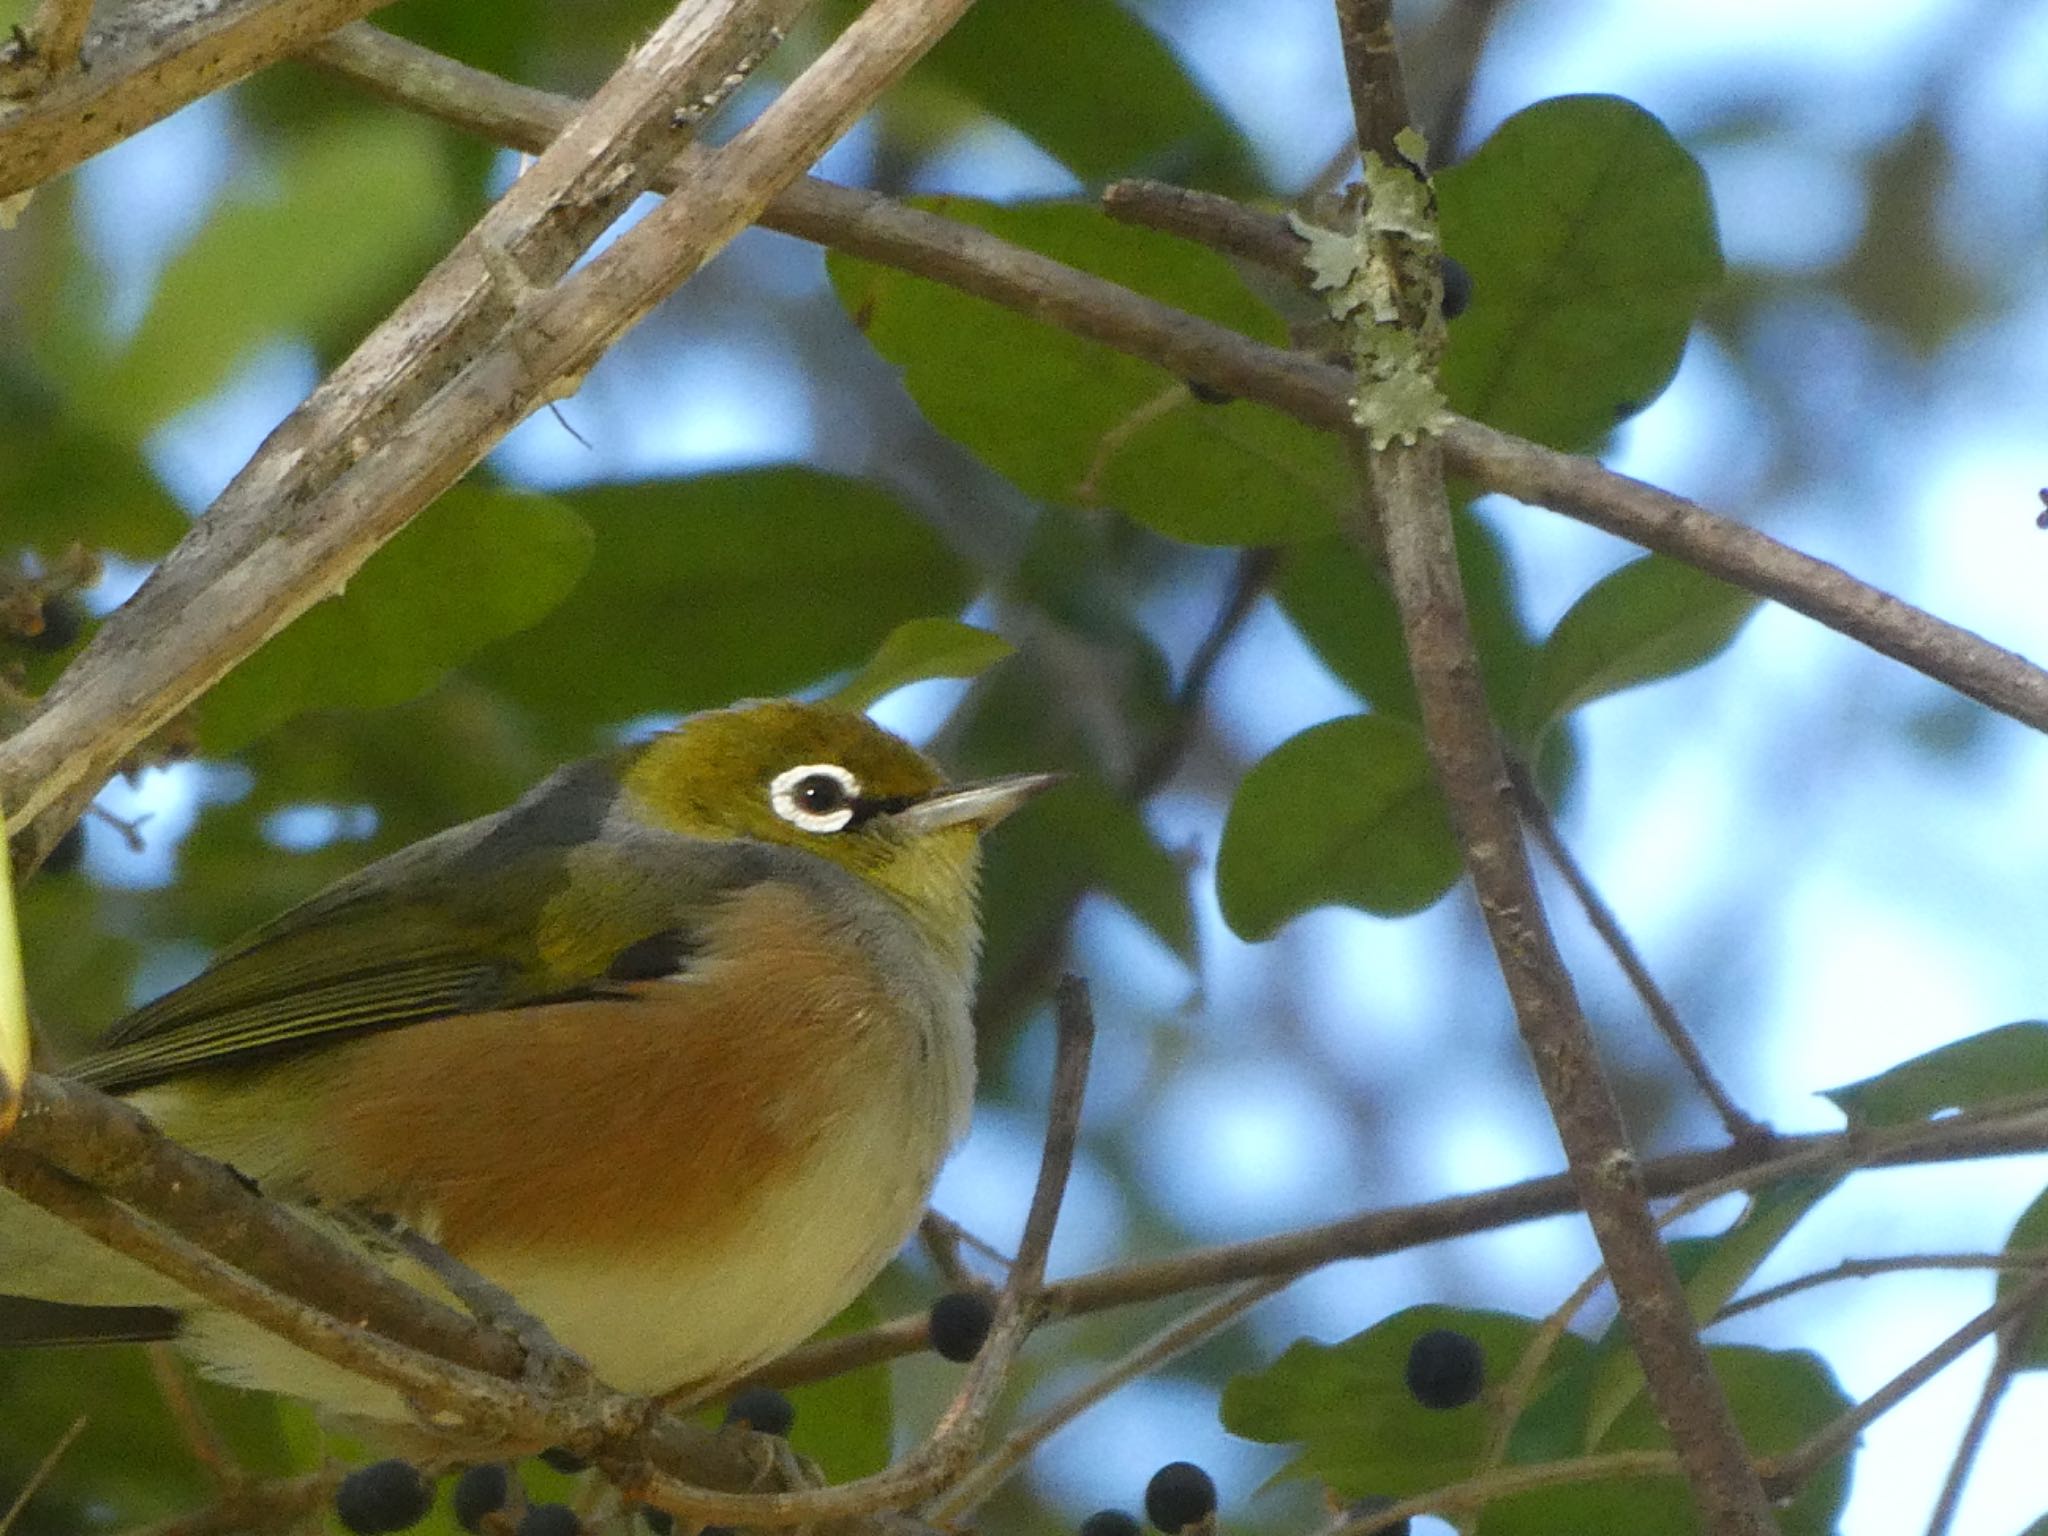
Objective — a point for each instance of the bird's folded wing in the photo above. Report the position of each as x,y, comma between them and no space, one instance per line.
425,943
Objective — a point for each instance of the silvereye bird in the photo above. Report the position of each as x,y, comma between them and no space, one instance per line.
672,1050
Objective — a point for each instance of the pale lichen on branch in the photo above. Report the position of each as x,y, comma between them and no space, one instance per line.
1381,277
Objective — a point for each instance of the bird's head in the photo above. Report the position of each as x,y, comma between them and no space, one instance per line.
831,782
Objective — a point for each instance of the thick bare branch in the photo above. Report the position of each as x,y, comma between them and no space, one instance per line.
147,59
282,537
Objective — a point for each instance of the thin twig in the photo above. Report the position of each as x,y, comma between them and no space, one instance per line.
2005,1364
1698,1175
1864,1269
1221,223
1074,1022
486,1403
1784,1474
42,1472
110,1146
205,1443
1175,1339
1474,1493
1406,513
1024,977
1739,1125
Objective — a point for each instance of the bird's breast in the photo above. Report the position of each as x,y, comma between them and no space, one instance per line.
681,1179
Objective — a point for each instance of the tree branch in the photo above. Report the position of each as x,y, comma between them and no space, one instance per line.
1174,1340
1408,518
2014,1338
148,60
273,545
1543,827
1397,1229
878,229
1786,1473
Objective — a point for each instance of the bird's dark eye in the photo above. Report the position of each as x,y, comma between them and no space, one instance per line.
819,794
817,797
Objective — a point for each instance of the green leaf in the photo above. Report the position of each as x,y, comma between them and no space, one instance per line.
2009,1062
846,1424
919,649
1713,1270
1343,609
730,586
1096,89
1590,239
1068,420
1345,812
2029,1236
1779,1398
1360,1430
359,205
477,565
1651,619
63,482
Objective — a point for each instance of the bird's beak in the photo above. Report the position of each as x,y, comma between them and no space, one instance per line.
982,803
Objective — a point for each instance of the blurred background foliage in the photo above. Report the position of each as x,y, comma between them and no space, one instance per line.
1830,863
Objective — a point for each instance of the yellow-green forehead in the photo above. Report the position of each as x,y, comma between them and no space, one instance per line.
746,746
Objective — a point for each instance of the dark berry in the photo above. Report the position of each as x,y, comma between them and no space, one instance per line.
550,1520
564,1460
659,1521
1372,1504
1179,1495
1110,1522
481,1491
383,1497
763,1409
960,1322
1445,1368
1457,288
1209,394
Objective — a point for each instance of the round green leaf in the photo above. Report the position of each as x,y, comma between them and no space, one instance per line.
1346,812
919,649
1096,89
1343,609
1590,239
1651,619
729,586
477,565
1360,1430
1069,420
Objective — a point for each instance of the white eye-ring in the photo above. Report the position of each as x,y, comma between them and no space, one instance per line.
819,797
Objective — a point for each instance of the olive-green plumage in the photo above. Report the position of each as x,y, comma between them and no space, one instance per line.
683,1031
